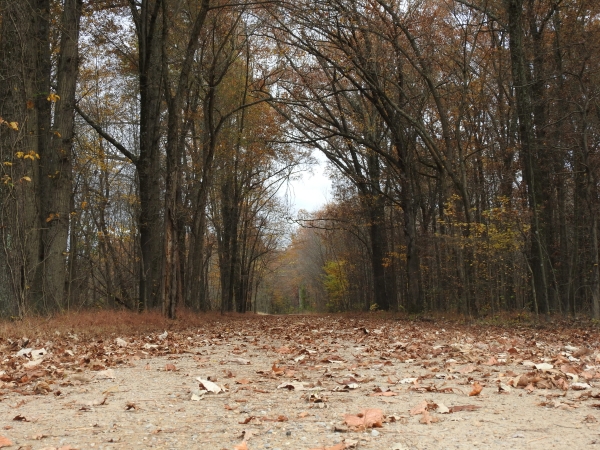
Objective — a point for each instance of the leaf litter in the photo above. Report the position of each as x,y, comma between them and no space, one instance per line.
303,382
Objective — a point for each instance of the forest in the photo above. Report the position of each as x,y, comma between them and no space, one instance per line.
145,146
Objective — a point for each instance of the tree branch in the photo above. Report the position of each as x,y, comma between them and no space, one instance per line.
106,136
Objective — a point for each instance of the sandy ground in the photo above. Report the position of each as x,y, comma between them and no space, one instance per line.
289,382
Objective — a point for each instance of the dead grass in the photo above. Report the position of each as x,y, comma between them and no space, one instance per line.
102,323
99,324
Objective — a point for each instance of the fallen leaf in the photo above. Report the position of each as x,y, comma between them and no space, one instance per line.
428,419
43,388
367,418
170,368
292,386
419,409
240,361
467,369
277,370
340,446
459,408
209,386
477,388
5,442
384,394
107,374
81,378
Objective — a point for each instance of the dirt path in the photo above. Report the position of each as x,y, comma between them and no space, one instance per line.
289,383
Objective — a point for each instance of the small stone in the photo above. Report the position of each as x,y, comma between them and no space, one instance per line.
374,433
288,433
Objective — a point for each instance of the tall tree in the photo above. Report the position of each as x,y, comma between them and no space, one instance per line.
37,192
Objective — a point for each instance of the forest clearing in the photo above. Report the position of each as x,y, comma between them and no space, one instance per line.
364,381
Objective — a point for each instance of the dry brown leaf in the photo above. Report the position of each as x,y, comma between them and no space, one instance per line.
459,408
561,383
170,368
130,405
428,419
340,446
242,446
368,418
5,442
568,368
419,409
588,374
384,394
477,388
240,361
583,351
467,369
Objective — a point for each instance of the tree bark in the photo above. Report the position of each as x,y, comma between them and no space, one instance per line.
56,168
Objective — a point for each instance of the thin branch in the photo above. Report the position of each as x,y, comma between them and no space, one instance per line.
106,136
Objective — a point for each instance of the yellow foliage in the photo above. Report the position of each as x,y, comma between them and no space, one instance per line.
53,97
26,179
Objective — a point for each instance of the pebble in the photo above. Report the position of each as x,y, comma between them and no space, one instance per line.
374,433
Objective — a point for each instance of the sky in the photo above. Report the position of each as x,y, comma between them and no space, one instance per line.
310,191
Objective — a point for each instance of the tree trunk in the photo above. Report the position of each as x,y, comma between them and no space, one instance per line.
147,21
523,95
25,71
56,168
